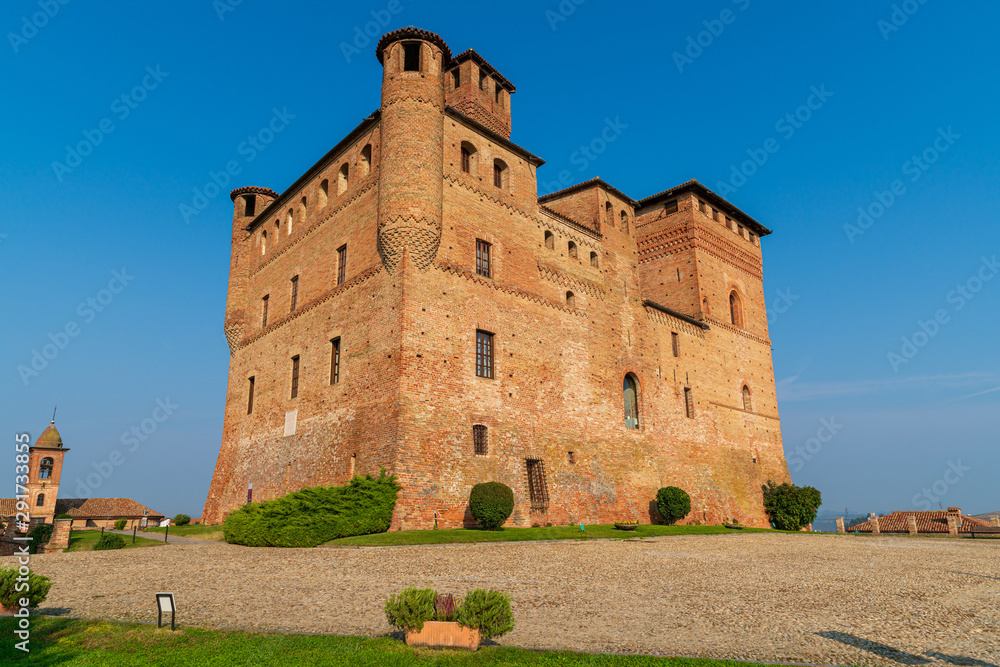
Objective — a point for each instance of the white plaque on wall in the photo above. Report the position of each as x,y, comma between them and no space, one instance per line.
290,418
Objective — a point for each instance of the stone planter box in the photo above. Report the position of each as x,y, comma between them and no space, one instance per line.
441,634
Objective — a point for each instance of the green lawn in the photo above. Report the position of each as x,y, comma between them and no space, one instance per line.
198,532
56,641
84,540
451,535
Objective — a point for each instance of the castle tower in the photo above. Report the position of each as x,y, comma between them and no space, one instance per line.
412,129
248,202
478,90
45,462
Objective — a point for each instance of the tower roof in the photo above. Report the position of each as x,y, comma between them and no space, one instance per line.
50,437
409,32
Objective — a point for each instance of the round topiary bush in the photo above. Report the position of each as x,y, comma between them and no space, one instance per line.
673,504
491,504
109,541
182,520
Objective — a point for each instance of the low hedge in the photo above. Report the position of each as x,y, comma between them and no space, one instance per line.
316,514
109,541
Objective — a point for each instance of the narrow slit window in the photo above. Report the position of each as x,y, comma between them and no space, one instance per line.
688,403
538,493
324,193
295,294
735,309
342,177
484,354
500,174
456,78
295,376
335,360
747,399
341,264
411,57
249,204
263,311
630,393
550,241
675,343
479,440
571,249
366,160
466,160
570,300
594,262
483,258
250,388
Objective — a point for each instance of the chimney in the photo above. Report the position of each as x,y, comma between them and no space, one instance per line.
954,511
953,524
840,525
911,523
873,520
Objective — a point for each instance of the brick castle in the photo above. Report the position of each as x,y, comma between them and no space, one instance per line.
411,303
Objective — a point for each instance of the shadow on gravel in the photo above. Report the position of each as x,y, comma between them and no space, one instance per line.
874,647
958,660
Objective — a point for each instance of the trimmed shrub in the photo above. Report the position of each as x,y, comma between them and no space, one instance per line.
37,591
39,535
487,611
411,608
109,541
673,504
316,514
491,504
182,520
791,507
120,524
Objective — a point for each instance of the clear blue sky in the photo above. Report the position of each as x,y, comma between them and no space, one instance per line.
887,95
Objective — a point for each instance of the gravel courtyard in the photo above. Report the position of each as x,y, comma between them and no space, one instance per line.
792,598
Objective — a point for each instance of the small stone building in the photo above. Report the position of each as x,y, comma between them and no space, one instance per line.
938,522
103,512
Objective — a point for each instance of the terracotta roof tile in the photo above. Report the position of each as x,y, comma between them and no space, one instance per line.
102,507
409,32
927,522
471,54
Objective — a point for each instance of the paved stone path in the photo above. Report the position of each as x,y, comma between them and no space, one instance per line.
770,597
171,539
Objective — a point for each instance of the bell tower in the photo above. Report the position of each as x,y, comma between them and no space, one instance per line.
45,462
411,180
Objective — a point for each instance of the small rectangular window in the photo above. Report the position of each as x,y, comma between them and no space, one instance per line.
335,360
295,294
537,491
688,403
341,264
482,258
675,343
482,80
479,441
670,207
263,311
411,57
572,457
484,354
250,204
497,176
295,376
250,396
701,206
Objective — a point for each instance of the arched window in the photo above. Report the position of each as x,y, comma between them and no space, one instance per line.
572,249
570,300
625,222
500,174
41,500
468,158
593,259
288,222
342,178
735,309
366,160
324,193
630,391
550,241
263,242
45,468
609,213
747,399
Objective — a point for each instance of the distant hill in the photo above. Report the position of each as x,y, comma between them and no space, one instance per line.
986,517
